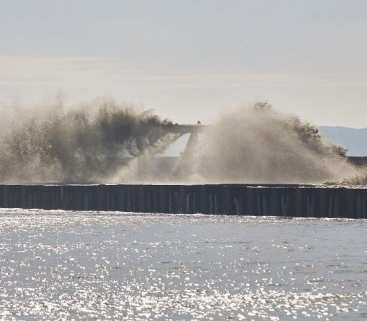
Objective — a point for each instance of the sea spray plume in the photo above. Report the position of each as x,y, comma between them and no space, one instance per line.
147,167
79,145
260,145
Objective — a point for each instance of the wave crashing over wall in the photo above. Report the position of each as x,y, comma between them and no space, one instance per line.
106,142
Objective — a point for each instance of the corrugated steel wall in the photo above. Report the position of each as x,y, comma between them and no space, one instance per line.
274,200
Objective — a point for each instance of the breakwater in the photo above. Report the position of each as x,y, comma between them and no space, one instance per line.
231,199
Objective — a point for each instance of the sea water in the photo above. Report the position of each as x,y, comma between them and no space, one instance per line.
58,265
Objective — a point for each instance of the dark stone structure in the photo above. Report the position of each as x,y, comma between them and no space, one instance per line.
230,199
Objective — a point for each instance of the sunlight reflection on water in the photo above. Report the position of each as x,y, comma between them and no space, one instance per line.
58,265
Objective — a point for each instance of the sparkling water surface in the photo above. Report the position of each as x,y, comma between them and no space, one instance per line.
58,265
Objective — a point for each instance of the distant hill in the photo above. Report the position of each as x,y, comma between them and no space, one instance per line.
354,139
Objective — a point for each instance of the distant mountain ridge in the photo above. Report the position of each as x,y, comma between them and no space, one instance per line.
353,139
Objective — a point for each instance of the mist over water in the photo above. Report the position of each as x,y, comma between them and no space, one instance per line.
107,142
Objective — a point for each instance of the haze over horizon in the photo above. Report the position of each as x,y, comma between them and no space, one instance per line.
190,60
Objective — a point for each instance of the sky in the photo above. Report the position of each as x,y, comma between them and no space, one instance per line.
190,60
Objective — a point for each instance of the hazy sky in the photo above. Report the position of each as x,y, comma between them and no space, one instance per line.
190,59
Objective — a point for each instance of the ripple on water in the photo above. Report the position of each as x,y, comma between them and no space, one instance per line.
57,265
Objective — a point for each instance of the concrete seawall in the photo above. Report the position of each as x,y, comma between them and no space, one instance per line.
275,200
